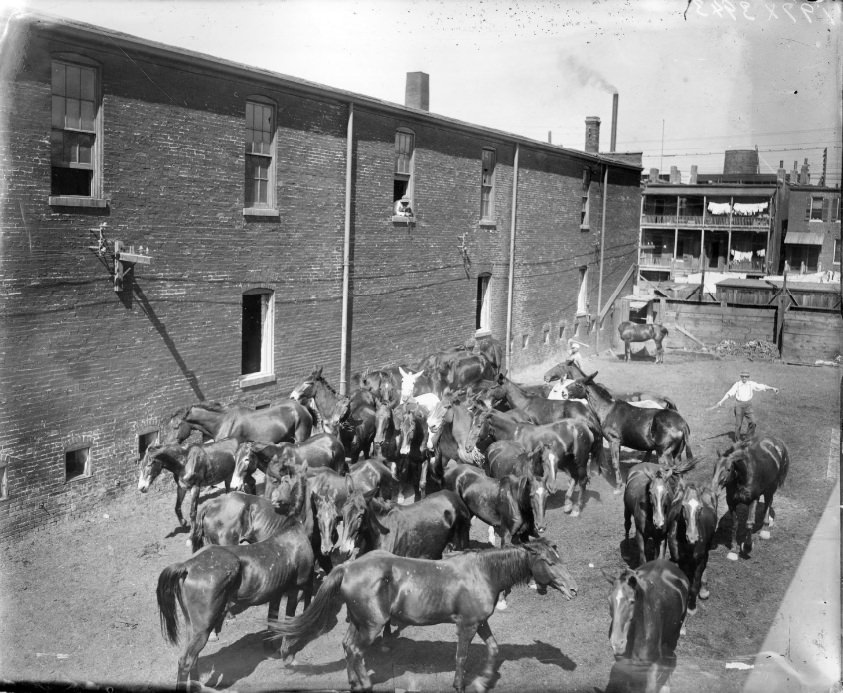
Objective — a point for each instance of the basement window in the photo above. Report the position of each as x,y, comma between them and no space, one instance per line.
145,440
77,462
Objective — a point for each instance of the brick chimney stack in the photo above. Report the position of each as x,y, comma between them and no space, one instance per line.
592,134
804,174
417,93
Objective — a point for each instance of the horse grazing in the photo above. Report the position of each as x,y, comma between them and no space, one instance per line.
320,450
662,431
286,420
748,471
636,332
692,521
423,530
647,607
380,587
647,499
219,580
514,506
192,467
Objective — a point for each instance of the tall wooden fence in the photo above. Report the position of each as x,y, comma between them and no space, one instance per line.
807,335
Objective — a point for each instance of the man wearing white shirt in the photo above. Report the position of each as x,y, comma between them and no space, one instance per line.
742,392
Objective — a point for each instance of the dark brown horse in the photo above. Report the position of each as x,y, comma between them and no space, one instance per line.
662,431
514,506
236,518
286,420
424,529
748,471
413,456
647,500
448,425
647,608
380,587
192,466
692,522
219,580
636,332
320,450
562,371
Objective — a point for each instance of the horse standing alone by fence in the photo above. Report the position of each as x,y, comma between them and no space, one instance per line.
636,332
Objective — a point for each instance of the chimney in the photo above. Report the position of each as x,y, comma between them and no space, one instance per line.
614,139
417,94
693,178
654,175
794,174
781,174
592,134
804,175
675,176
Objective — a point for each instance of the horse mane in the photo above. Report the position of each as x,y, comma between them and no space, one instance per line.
600,389
507,563
322,380
210,406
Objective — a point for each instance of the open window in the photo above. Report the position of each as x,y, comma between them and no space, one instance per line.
258,329
76,133
402,194
146,440
4,479
483,315
582,296
584,211
77,462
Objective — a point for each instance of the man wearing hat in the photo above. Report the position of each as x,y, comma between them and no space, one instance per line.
574,354
742,392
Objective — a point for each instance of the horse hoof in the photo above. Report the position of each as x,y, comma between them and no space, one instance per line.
704,593
764,534
575,512
691,611
682,630
567,507
732,556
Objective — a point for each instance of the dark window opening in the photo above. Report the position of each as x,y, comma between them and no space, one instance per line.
399,189
71,181
482,308
145,440
4,483
76,463
252,333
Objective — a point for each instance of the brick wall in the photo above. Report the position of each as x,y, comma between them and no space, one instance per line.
84,365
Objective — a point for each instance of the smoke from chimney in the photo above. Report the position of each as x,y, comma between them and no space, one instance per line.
585,75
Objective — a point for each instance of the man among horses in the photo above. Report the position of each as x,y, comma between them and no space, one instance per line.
742,392
560,389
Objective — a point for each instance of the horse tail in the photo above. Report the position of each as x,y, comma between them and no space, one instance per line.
783,468
317,619
686,437
168,592
197,531
670,404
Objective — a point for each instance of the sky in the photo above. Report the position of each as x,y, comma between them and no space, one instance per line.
693,79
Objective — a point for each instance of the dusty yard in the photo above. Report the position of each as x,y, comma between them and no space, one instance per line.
78,602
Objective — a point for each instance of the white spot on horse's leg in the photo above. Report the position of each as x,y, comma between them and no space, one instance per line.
764,534
732,556
492,535
704,592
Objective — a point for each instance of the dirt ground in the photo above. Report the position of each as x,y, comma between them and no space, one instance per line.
77,603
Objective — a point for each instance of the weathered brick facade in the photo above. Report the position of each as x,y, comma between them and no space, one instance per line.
85,365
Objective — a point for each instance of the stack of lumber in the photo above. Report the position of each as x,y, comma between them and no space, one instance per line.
754,350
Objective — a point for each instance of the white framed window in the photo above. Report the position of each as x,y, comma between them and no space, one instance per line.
258,334
77,461
488,163
483,319
586,189
76,132
4,480
836,256
405,147
815,212
260,156
582,295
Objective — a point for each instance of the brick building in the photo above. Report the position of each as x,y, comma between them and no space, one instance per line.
178,227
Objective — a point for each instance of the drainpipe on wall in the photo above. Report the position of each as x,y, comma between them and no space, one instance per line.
602,241
346,253
511,261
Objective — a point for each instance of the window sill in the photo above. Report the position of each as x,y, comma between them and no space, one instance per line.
76,201
254,379
488,224
585,227
407,221
261,212
483,332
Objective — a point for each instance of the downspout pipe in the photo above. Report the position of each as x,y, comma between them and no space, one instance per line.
346,252
602,243
511,259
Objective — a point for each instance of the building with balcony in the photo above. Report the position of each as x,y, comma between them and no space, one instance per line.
714,223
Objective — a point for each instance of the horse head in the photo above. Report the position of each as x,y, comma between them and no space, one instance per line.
307,389
547,569
339,416
479,428
290,487
440,414
243,464
724,470
408,382
325,512
535,488
542,461
621,608
150,467
384,423
175,429
555,373
660,498
691,506
353,514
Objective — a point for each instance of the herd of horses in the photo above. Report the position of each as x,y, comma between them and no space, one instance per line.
333,527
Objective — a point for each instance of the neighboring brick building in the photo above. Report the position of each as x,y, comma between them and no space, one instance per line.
174,229
812,228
